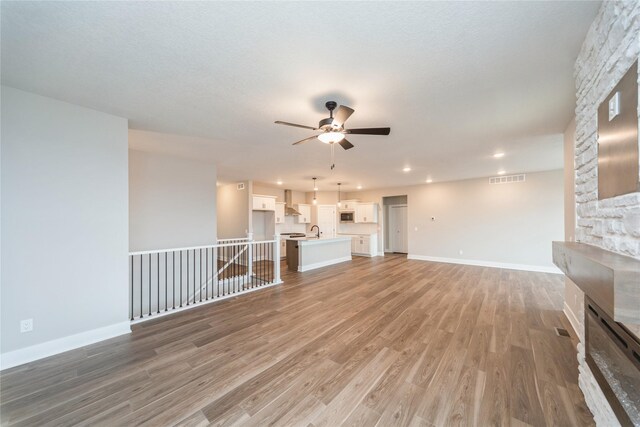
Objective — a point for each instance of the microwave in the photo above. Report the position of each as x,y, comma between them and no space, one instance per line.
346,216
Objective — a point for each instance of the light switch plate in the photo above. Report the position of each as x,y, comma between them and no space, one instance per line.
614,106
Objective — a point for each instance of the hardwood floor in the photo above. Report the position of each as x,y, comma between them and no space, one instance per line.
378,341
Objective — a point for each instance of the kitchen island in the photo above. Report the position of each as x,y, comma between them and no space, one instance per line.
308,253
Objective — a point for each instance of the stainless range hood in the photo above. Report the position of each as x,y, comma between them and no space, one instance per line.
289,210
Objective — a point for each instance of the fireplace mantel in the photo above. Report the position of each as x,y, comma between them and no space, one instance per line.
611,280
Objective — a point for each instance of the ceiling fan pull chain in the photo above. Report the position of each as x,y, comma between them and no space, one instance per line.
333,165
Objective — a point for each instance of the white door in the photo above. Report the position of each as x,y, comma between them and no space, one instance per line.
398,241
327,220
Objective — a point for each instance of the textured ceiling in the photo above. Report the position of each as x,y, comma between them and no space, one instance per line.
455,81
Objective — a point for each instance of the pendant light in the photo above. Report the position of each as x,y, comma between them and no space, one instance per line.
339,203
315,194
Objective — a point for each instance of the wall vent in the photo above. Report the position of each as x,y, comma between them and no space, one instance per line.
240,186
506,179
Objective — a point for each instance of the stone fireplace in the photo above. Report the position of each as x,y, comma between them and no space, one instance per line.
613,354
611,47
609,353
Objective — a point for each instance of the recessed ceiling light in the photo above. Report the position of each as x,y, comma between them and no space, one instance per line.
498,155
429,181
279,182
359,187
501,172
406,169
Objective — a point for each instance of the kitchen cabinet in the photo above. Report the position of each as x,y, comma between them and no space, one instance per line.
279,213
364,245
348,205
305,214
366,213
264,203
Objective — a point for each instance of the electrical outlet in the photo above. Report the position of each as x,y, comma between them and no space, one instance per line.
26,325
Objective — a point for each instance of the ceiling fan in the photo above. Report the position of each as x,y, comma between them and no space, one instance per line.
333,127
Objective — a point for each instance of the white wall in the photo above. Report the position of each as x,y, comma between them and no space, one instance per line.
172,201
490,223
64,225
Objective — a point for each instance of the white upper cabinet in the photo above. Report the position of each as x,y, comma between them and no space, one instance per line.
348,205
366,213
305,214
264,203
279,213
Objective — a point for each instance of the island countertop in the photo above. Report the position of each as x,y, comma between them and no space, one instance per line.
314,240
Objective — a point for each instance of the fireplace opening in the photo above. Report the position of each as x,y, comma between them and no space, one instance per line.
613,354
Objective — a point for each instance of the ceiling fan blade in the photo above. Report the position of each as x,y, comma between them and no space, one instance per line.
369,131
345,144
294,125
305,140
341,115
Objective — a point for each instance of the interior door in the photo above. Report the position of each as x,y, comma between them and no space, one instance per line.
398,229
327,220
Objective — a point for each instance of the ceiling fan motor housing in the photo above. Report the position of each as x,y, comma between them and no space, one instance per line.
325,124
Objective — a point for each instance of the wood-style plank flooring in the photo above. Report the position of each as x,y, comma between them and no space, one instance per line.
377,341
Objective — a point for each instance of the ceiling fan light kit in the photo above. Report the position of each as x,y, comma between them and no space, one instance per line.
331,137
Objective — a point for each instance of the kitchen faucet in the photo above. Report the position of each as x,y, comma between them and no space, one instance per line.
318,233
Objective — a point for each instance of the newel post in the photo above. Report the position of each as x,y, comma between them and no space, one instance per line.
276,261
249,256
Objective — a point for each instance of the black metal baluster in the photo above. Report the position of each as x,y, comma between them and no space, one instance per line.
206,273
235,269
270,249
252,256
149,279
260,264
194,276
173,281
131,256
166,294
141,286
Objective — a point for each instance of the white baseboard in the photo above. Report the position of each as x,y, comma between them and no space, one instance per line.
573,319
50,348
508,266
380,254
302,269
